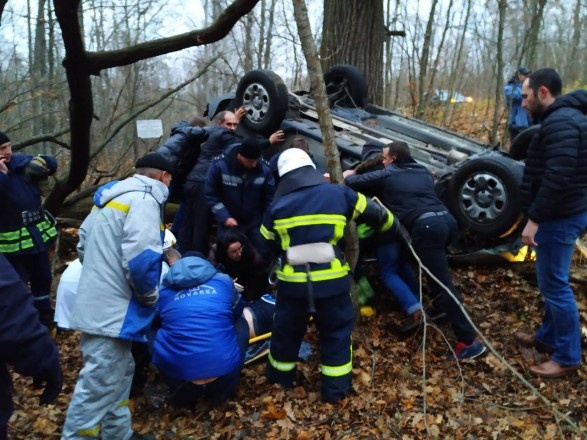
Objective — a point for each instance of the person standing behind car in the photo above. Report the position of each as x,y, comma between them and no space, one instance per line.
554,198
182,149
518,119
408,188
120,249
25,230
194,234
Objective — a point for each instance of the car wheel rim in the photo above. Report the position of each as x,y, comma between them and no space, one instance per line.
256,102
483,198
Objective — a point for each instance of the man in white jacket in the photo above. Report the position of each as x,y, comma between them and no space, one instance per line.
121,252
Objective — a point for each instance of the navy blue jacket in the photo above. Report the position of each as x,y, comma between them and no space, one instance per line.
318,214
555,176
235,191
197,339
218,139
182,148
406,189
18,194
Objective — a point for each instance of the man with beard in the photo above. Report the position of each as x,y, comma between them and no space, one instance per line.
554,198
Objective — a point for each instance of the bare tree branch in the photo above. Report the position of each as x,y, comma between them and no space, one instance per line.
44,138
80,65
97,61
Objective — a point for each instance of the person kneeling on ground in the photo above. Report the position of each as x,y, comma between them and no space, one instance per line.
203,335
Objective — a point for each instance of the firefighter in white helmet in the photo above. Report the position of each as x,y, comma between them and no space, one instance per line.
306,221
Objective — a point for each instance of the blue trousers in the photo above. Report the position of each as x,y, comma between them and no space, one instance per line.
398,276
560,324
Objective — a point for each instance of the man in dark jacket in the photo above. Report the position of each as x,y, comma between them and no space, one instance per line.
554,197
305,222
194,234
408,188
182,149
24,343
25,229
239,188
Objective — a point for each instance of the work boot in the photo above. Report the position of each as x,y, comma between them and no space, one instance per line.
411,323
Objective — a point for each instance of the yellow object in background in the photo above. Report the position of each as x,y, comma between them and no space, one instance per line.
367,311
524,254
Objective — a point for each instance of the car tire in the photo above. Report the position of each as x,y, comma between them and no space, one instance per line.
265,99
346,86
484,195
521,142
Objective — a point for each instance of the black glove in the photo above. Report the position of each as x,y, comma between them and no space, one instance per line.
36,169
52,379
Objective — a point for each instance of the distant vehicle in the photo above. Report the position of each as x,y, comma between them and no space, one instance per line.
444,96
479,183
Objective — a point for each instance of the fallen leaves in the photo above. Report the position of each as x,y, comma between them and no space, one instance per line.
481,399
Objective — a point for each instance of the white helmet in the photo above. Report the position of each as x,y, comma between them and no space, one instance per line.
292,159
169,240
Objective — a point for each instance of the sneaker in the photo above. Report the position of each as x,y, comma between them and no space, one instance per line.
257,351
463,351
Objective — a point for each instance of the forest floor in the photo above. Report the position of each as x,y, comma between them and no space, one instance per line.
403,388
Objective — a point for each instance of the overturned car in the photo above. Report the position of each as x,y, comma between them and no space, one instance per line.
479,183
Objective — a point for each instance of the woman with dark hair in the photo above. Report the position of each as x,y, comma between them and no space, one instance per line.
234,255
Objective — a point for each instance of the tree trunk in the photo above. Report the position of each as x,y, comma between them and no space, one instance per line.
572,67
353,32
457,65
534,30
497,111
424,58
324,116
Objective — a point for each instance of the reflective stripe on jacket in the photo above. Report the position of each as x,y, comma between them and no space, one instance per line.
21,199
318,214
22,239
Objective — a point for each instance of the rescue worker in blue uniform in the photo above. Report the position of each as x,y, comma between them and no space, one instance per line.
239,189
25,230
309,213
25,344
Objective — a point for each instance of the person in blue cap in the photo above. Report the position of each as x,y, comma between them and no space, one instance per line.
519,119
